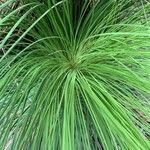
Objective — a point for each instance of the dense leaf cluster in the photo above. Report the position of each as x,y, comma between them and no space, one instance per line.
74,75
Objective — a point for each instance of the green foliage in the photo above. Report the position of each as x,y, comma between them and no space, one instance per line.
74,76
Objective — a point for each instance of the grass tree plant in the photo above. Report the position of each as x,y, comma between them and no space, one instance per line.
74,75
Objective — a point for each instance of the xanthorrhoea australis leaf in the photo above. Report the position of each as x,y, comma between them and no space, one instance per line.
75,76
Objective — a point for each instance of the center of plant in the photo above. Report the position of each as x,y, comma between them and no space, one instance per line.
73,65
